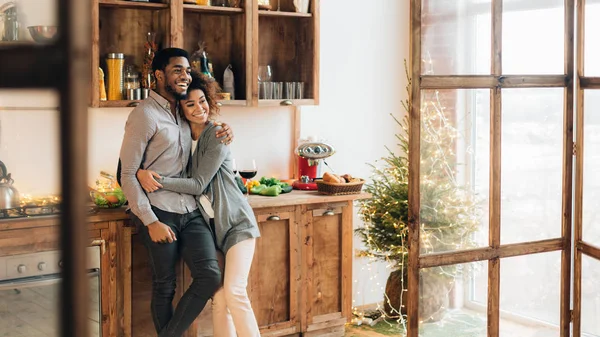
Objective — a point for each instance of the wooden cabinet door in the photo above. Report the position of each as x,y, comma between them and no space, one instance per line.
275,273
328,263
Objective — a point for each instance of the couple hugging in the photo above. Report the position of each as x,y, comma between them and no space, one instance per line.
188,205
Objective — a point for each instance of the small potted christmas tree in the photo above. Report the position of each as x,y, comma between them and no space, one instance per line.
449,212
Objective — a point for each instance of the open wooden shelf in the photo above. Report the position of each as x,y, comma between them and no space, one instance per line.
119,104
284,14
285,102
132,4
237,102
212,9
244,38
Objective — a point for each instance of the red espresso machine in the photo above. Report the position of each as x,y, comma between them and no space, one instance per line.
310,156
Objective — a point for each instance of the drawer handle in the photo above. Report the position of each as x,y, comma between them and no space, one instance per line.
100,243
328,213
219,104
287,102
273,218
319,295
132,104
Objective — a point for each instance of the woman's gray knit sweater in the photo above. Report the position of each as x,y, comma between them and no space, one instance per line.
211,174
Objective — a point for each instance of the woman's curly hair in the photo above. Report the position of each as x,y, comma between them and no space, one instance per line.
210,87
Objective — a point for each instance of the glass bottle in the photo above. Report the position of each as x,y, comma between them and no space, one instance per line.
150,47
11,25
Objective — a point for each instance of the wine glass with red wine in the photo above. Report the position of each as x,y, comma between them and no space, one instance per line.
248,170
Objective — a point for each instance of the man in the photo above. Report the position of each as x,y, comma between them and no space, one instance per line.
158,138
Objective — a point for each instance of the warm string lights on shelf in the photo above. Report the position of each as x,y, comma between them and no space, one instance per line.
449,215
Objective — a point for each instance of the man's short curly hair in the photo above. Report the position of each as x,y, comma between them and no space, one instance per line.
210,87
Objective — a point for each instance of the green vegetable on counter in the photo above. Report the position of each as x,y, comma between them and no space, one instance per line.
269,181
285,188
271,191
257,189
240,185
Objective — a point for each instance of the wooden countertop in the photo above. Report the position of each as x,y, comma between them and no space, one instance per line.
256,201
300,198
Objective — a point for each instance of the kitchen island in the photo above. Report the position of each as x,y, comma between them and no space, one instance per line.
300,281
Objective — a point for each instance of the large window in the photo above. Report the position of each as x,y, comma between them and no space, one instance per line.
513,111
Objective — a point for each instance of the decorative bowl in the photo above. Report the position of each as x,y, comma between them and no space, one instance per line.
43,34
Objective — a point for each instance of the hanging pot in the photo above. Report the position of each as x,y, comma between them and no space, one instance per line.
9,196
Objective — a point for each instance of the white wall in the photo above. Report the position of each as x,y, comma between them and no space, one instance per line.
363,47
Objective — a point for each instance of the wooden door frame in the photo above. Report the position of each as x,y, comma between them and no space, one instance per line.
64,65
495,250
581,247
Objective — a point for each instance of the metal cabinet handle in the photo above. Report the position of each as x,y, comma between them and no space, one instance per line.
100,243
273,218
287,102
219,104
132,104
328,213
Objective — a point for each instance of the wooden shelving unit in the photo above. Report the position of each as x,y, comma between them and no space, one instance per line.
244,37
284,14
212,9
132,4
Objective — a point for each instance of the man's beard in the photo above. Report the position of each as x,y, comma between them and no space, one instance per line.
178,96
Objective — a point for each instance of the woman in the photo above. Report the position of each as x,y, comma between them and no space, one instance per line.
213,182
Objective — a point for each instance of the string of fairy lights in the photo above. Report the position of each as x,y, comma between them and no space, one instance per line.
450,213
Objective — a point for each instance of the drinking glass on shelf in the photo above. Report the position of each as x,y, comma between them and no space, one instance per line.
248,171
265,73
299,87
289,90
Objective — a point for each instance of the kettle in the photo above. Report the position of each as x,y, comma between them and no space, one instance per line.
9,196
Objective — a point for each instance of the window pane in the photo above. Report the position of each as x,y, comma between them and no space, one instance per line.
455,147
533,37
590,297
591,46
456,37
532,150
446,307
530,295
591,163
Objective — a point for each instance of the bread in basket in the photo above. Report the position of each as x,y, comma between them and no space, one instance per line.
333,184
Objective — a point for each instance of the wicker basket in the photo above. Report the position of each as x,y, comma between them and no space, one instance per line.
329,188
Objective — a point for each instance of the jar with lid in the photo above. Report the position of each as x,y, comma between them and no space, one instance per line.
115,63
131,77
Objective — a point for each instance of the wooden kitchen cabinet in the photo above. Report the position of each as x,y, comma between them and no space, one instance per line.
224,33
107,230
300,282
327,258
289,43
273,285
244,37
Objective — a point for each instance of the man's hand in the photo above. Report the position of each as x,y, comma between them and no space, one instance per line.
147,180
161,233
224,132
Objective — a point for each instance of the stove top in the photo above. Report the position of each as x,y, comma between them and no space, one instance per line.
29,211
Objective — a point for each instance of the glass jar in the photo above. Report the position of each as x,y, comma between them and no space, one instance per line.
11,25
114,63
264,4
131,78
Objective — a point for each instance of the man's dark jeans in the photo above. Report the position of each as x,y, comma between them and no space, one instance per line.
196,245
